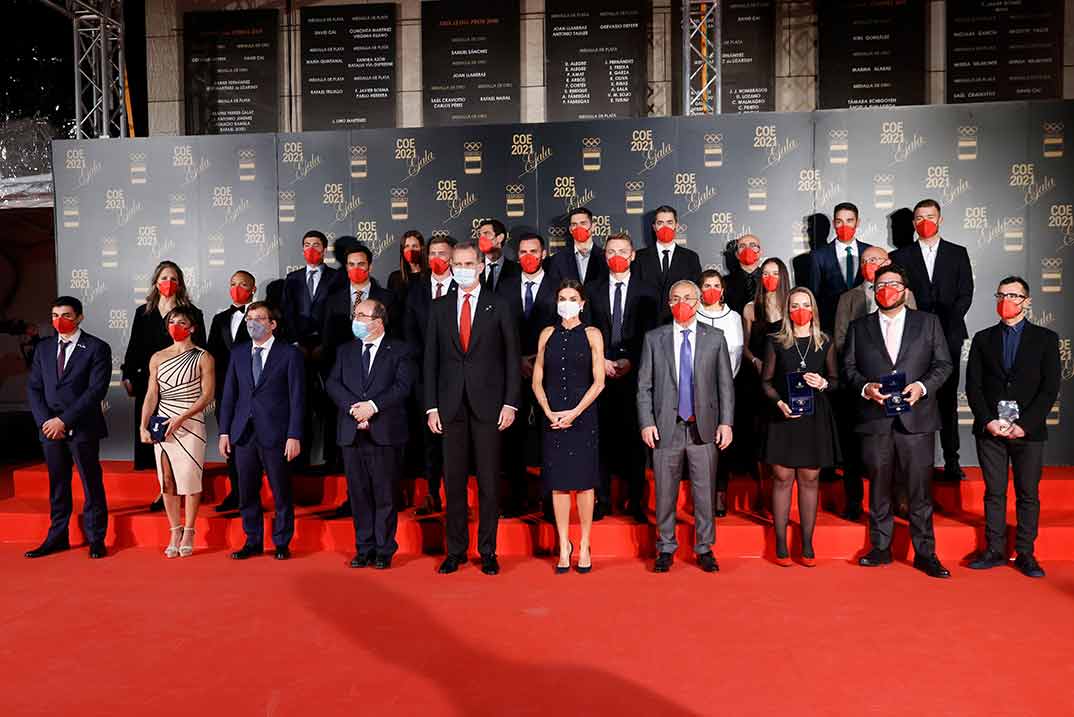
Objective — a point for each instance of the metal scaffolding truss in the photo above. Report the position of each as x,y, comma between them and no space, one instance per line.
701,57
100,73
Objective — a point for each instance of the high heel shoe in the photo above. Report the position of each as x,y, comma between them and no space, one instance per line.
561,570
809,561
185,551
783,561
172,551
583,569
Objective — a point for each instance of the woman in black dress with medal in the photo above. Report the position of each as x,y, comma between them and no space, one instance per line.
797,447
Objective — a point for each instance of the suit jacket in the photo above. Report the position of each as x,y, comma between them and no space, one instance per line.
828,280
303,319
950,292
76,396
149,335
658,387
640,315
509,270
418,303
543,314
272,410
685,264
854,304
221,343
336,329
488,375
923,356
1033,381
738,293
562,265
388,385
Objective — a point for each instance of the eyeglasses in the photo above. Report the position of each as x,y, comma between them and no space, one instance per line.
691,300
893,284
1016,298
367,317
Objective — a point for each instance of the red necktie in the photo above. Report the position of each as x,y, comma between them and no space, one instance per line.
464,324
439,289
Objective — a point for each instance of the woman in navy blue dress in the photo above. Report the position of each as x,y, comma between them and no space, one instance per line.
567,378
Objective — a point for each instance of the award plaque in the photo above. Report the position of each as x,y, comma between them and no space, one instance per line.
800,394
893,384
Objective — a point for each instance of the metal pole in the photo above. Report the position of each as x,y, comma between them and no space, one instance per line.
106,79
78,79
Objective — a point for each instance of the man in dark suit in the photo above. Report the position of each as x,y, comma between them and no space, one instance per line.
898,340
261,420
471,395
436,284
491,236
941,278
1012,382
370,382
662,265
835,267
229,328
68,380
584,261
532,298
742,279
624,307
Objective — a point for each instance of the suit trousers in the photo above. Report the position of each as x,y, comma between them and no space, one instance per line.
60,457
684,447
516,440
908,454
252,460
462,433
947,402
621,449
432,448
372,472
1027,460
845,407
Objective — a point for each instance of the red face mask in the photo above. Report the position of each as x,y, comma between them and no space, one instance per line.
926,228
802,317
580,235
665,235
887,297
178,332
240,294
844,232
358,274
312,255
869,271
770,282
64,325
711,296
485,245
618,264
1007,309
748,256
438,266
411,256
167,287
530,263
682,312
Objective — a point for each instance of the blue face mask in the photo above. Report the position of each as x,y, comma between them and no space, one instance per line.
359,329
257,330
464,276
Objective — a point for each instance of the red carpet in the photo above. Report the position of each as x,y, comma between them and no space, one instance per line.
136,634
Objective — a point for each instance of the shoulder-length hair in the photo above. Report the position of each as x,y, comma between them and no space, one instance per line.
152,299
404,268
784,338
760,306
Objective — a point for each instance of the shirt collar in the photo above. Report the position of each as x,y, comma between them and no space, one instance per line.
896,317
588,246
691,327
612,281
376,342
75,338
472,292
313,269
364,288
1016,329
535,278
926,246
267,346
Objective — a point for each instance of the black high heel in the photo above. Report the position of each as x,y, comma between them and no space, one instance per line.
582,570
561,570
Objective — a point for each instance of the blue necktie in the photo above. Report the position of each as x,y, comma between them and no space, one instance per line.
617,315
528,305
257,364
365,364
686,378
850,267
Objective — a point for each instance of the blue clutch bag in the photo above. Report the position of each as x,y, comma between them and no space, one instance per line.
158,425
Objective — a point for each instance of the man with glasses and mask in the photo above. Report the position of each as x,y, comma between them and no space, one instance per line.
1012,381
896,359
744,271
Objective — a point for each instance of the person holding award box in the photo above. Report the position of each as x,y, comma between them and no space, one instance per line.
799,371
895,360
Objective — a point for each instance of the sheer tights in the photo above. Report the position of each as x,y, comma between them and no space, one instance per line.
807,505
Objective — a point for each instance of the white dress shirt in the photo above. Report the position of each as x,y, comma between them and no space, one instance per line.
363,288
460,296
582,260
267,346
317,272
499,270
374,347
896,323
237,317
928,253
72,343
841,254
444,281
612,281
660,249
536,280
678,329
730,323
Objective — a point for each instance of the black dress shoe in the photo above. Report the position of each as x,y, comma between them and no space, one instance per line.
344,510
720,508
874,558
247,551
97,550
663,562
382,562
47,549
430,506
157,505
953,472
489,565
282,552
639,516
1028,565
228,504
987,559
931,566
362,560
707,562
852,513
451,564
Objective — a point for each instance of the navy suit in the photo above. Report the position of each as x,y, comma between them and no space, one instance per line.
373,457
562,265
303,317
75,397
828,278
259,419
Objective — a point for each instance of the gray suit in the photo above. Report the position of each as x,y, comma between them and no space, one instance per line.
854,304
680,442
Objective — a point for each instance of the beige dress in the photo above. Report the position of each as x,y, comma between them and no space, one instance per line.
179,381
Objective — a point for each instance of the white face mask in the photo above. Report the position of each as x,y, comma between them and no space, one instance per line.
568,309
464,276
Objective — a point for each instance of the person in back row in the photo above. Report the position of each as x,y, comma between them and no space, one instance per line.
665,263
583,258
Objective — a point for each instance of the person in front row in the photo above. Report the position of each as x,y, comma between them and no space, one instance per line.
567,378
1012,381
370,383
261,421
181,379
686,401
471,395
68,380
898,343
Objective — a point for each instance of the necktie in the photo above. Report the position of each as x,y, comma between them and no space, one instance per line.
309,283
61,364
257,364
439,290
357,300
527,307
617,315
891,341
850,267
666,263
686,378
366,356
492,275
464,323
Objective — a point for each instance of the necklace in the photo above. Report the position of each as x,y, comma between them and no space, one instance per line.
801,363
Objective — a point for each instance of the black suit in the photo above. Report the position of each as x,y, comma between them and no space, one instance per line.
468,389
621,449
684,264
220,344
1033,381
948,295
506,271
336,329
905,443
562,265
741,287
373,456
828,279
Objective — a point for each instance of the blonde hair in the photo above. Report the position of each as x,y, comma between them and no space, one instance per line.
784,338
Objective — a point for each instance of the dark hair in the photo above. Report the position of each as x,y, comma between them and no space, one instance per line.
273,312
404,268
362,249
927,203
470,244
343,246
379,311
571,284
152,299
316,235
713,273
497,227
187,312
845,206
442,239
579,210
620,236
760,306
68,301
248,274
1008,280
531,236
894,269
663,208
